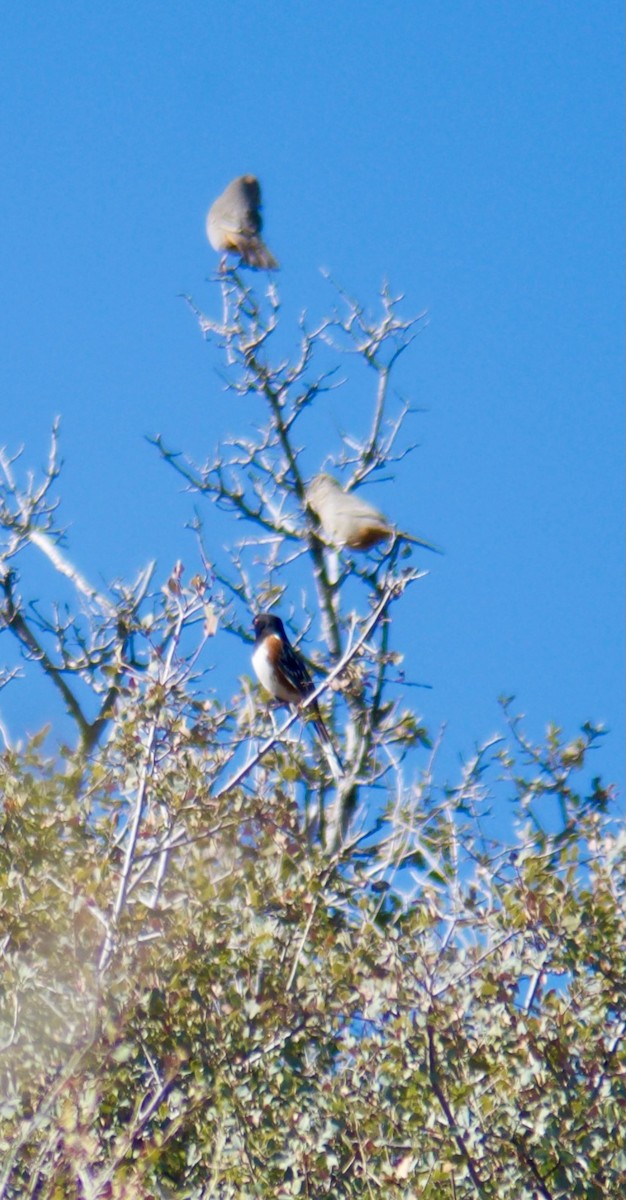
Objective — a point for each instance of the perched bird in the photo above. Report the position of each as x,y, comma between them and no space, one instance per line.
284,675
347,520
234,223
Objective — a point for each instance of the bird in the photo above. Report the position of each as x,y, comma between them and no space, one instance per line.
347,520
283,673
234,223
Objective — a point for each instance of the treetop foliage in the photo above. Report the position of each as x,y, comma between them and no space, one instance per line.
226,973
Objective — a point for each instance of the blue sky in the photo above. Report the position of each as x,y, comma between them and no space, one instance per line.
471,155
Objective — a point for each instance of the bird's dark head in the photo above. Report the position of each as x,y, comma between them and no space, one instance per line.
265,623
252,188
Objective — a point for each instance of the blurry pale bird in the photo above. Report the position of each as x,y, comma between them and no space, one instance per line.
347,520
234,223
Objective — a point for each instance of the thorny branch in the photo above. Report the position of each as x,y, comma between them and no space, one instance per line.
259,478
393,590
435,1080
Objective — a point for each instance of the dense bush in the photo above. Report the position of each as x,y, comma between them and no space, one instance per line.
224,975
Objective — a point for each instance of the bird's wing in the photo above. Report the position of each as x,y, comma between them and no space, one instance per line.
294,670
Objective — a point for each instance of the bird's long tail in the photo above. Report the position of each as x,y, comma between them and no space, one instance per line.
328,746
417,541
255,253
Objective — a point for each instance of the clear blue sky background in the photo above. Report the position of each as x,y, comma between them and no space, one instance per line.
469,153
